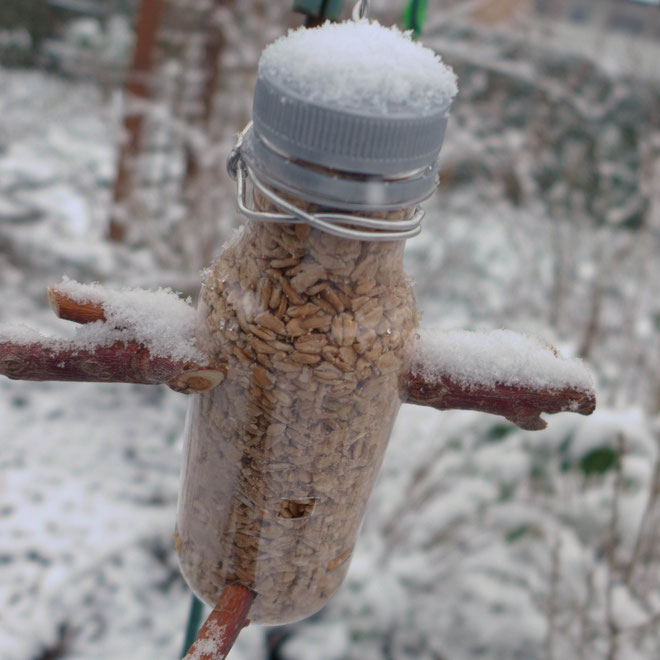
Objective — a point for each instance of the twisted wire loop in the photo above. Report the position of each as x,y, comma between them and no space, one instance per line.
337,224
361,10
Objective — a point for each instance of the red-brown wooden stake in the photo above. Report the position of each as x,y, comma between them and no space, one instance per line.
219,632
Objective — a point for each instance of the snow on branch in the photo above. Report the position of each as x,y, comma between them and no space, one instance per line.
499,372
127,336
161,320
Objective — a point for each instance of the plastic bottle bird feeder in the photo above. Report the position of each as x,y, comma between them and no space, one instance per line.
311,310
308,324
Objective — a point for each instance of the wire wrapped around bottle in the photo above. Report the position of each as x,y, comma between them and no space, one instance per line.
345,225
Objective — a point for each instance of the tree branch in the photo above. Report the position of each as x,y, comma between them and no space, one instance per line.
129,362
499,372
520,405
220,630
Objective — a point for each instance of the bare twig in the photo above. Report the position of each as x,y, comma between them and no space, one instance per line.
612,556
520,405
643,525
121,362
584,617
219,632
592,327
553,600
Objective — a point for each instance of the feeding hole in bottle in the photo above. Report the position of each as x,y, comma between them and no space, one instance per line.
297,508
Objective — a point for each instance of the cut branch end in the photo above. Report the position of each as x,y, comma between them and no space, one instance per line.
70,310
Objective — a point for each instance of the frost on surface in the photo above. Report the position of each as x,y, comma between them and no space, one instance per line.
161,320
360,66
211,645
496,357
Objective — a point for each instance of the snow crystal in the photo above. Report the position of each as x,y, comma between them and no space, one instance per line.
360,66
488,358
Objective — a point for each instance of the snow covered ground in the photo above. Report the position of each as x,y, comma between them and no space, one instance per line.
89,474
481,541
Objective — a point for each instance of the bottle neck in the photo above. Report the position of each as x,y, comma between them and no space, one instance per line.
334,252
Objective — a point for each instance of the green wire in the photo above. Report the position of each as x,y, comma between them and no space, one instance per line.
194,621
414,16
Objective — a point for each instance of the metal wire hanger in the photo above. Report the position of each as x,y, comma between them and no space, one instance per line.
338,224
344,225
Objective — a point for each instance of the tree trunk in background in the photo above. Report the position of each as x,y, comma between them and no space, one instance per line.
138,86
172,195
202,63
212,42
176,66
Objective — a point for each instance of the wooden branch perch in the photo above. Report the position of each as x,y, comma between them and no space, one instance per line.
132,362
220,631
121,362
520,405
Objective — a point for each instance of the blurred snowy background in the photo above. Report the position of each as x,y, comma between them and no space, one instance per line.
481,541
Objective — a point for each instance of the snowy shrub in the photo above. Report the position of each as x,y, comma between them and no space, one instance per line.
494,546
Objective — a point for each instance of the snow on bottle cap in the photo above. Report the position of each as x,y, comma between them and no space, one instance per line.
356,98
